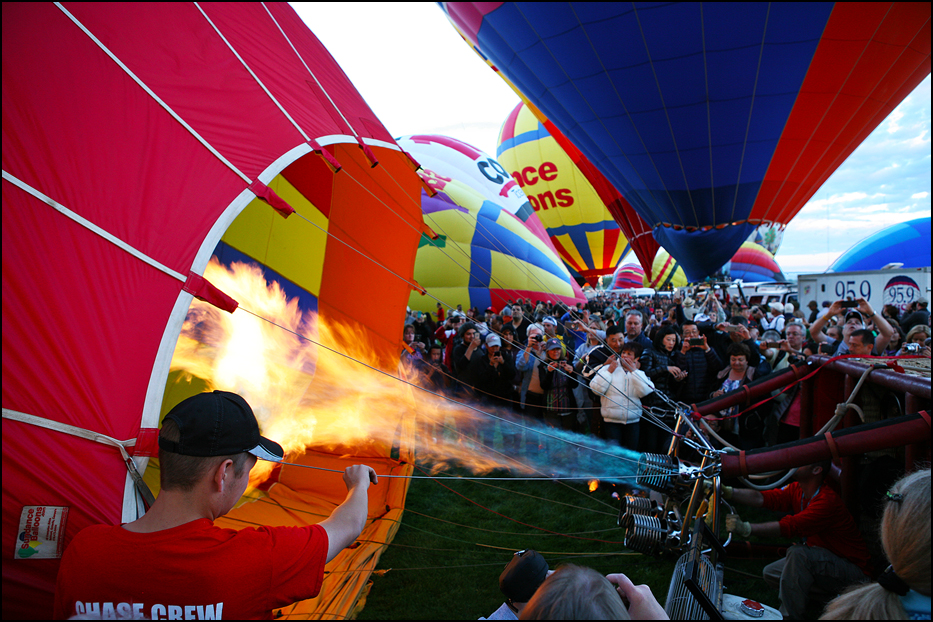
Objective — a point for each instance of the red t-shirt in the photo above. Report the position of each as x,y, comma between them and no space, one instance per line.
193,571
823,520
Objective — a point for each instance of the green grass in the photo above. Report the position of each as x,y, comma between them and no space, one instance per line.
446,558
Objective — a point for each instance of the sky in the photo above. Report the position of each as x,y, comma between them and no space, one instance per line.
420,77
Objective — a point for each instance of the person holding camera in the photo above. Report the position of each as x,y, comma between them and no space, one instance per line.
856,313
699,361
917,341
557,381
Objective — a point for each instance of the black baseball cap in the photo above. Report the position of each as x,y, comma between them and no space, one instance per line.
219,424
523,575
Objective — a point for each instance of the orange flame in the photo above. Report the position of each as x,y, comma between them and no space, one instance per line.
594,484
307,396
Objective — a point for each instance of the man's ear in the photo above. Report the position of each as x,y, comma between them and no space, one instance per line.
222,475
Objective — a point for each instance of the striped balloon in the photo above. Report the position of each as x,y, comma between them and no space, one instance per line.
666,272
628,276
754,264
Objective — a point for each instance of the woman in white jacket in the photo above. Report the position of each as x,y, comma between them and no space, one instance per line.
621,385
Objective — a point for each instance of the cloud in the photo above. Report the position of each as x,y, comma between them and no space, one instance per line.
920,195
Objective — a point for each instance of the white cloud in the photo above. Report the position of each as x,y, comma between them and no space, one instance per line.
920,195
893,118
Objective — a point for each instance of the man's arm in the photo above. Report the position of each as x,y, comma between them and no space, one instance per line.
880,323
346,522
816,328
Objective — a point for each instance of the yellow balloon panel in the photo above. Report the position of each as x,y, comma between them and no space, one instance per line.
566,203
294,247
666,271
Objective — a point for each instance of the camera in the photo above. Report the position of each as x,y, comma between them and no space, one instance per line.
848,304
538,338
912,348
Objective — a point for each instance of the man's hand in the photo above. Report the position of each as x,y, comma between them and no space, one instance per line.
359,475
677,373
613,364
865,308
638,599
736,525
725,490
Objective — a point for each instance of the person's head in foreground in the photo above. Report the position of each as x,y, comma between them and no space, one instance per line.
903,590
576,593
207,446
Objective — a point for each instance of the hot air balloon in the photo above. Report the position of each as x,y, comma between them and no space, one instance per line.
666,273
753,264
483,256
490,246
628,275
709,119
128,157
907,243
582,229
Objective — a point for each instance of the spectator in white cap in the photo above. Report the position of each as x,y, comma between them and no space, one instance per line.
775,319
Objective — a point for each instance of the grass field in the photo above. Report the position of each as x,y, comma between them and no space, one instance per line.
456,537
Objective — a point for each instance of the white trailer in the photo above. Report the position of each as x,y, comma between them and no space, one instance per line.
898,287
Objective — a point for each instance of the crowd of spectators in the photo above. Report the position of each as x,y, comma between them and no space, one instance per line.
613,368
597,368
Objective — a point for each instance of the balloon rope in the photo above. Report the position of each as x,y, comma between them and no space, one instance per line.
477,477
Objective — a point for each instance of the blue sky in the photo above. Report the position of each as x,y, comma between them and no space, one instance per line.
418,76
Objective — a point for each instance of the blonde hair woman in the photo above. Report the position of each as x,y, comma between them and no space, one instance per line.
903,590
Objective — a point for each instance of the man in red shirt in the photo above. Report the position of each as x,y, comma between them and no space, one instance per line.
830,554
173,563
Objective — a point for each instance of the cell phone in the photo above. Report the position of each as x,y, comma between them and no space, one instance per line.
729,328
695,342
848,304
824,348
773,344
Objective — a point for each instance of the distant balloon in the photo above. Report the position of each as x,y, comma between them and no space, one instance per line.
906,242
753,264
628,276
710,119
579,224
490,246
769,237
666,273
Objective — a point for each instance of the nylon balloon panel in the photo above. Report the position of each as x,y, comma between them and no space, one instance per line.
564,200
708,115
754,264
481,247
907,243
666,272
292,248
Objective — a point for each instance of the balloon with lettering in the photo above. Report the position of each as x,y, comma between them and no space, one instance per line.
666,273
583,231
907,243
753,264
488,245
710,119
116,195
